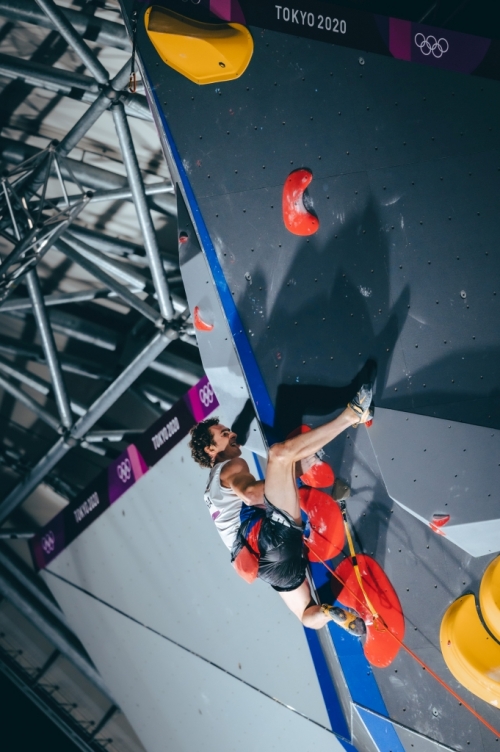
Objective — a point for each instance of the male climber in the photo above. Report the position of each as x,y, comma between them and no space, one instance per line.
237,501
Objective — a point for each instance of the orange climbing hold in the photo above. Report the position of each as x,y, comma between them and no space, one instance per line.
199,324
439,521
325,520
297,218
380,647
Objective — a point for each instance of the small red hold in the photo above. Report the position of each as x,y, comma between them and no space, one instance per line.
183,237
199,324
369,423
297,218
438,521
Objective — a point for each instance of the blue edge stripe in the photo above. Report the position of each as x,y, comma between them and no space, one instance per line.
357,671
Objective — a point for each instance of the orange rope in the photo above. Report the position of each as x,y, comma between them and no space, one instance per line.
410,652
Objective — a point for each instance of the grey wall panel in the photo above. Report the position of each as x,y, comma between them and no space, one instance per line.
405,191
437,466
220,360
402,275
177,701
156,555
428,572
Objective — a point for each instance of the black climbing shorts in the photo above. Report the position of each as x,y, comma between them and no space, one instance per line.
282,562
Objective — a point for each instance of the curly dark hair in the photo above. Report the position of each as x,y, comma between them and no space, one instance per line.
200,438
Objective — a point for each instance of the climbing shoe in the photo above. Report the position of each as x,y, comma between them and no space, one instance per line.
361,404
345,619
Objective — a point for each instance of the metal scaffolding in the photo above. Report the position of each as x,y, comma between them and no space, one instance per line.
42,195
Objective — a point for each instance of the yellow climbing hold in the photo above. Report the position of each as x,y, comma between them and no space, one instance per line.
205,53
489,597
471,654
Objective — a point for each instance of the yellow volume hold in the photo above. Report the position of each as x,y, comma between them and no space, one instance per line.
205,53
471,654
489,598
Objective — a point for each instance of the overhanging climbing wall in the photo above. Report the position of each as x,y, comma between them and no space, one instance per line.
399,279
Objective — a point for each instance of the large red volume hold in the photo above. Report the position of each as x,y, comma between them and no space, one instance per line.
296,217
380,646
325,520
320,474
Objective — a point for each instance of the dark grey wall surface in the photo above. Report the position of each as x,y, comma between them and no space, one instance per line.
404,268
402,278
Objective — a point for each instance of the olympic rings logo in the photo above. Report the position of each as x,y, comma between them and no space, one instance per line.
49,542
430,45
124,470
206,395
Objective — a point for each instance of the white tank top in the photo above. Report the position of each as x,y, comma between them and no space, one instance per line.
224,506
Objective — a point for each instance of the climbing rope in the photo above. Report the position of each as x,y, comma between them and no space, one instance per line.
354,560
380,620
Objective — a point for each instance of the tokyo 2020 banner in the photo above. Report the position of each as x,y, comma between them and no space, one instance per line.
123,472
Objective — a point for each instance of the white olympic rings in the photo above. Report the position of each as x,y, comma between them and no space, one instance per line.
430,45
49,542
206,395
124,470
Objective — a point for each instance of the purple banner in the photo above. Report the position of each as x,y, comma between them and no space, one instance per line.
122,473
358,29
201,399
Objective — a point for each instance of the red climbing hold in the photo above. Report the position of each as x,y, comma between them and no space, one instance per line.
438,521
380,647
325,519
183,237
297,218
319,474
199,324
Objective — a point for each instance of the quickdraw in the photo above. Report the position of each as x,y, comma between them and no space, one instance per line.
132,84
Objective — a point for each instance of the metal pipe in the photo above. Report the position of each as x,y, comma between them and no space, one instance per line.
49,348
77,328
45,244
30,403
143,215
127,377
124,292
46,76
96,109
58,298
69,363
98,30
75,41
174,373
29,379
60,637
96,178
119,194
125,272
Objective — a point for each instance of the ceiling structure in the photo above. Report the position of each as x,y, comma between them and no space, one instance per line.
95,336
88,223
